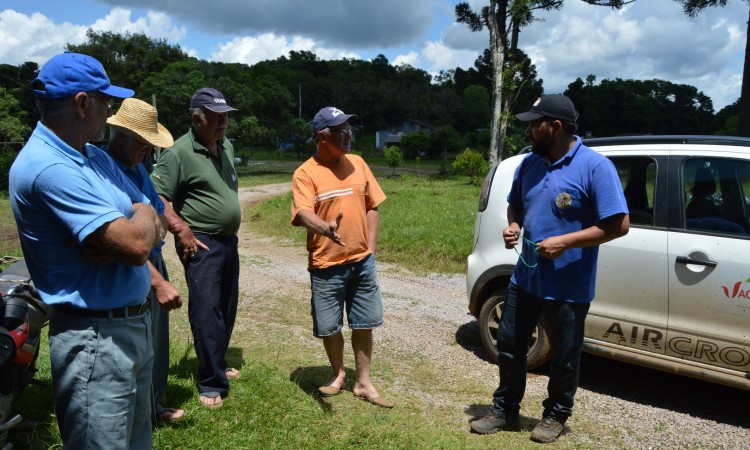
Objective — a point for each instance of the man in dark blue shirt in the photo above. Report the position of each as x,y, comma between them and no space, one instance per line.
567,199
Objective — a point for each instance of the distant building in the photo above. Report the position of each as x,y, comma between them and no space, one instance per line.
392,135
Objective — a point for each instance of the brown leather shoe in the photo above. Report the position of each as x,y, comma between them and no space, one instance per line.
492,423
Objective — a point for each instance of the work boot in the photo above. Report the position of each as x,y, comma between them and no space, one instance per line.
548,430
492,423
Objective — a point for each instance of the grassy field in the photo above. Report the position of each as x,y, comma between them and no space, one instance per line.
426,223
426,226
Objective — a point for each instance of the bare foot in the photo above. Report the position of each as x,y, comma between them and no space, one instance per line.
365,391
337,382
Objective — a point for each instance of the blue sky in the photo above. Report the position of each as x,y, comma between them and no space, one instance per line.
648,39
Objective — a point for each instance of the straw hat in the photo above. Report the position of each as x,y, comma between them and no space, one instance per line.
140,118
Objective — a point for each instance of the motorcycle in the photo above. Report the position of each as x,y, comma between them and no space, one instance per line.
23,315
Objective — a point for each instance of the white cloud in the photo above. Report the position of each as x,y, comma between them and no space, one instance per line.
155,25
642,41
411,58
20,33
440,57
645,40
250,50
20,37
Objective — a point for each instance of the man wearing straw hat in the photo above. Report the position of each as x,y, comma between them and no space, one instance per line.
134,132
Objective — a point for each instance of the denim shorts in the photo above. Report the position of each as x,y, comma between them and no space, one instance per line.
354,286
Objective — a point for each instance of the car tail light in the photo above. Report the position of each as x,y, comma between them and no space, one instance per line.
484,196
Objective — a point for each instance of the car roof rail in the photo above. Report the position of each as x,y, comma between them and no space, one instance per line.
669,139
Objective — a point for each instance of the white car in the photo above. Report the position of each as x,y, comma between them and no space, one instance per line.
674,293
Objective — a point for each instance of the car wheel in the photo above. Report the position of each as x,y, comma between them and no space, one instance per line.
539,352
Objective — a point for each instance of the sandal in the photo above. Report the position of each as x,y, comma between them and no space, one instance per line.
233,374
211,400
171,414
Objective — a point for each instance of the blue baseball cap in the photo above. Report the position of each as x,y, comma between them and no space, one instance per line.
330,117
69,73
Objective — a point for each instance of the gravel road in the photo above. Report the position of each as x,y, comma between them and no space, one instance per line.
617,406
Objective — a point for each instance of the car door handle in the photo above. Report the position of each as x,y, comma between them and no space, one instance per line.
699,262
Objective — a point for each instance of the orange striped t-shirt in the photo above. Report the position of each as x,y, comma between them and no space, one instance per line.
327,189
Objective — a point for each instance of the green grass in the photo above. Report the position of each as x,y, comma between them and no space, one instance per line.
426,224
274,405
9,243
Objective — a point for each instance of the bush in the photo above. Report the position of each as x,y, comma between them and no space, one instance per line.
471,163
393,157
7,156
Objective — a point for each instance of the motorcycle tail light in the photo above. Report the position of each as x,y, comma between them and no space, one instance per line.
20,335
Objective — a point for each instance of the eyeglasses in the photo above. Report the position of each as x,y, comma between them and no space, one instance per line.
109,101
344,132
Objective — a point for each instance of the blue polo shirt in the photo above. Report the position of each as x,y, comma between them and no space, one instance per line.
59,197
140,177
576,192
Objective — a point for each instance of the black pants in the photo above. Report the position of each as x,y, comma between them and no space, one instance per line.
213,287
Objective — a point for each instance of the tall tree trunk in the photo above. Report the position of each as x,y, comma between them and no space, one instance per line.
496,24
743,127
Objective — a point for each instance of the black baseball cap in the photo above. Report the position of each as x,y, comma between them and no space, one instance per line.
210,99
555,106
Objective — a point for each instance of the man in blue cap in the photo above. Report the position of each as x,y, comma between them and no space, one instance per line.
335,197
86,232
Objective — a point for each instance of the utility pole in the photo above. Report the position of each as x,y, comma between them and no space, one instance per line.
299,94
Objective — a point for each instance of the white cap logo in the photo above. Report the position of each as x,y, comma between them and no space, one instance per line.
335,112
538,100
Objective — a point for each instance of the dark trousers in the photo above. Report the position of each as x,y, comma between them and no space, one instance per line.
212,278
521,314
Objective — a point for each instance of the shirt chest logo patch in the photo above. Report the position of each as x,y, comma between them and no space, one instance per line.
564,200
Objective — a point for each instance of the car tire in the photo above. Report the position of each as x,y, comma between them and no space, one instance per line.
539,352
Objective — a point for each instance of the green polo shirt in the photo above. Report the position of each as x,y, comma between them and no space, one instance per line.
201,187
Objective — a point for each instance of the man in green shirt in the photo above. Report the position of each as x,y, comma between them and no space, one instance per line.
197,176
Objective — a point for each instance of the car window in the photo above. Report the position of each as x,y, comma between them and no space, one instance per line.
716,193
638,178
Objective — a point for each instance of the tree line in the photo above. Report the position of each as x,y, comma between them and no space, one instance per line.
277,98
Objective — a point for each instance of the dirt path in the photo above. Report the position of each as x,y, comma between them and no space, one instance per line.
427,320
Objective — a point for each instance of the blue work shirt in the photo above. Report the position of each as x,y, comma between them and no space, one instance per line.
576,192
140,177
59,197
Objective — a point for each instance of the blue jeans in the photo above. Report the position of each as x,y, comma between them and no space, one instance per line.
101,371
353,287
521,314
160,334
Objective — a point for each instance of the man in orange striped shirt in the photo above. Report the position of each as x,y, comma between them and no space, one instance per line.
335,197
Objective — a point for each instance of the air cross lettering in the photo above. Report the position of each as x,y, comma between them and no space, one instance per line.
708,351
698,350
650,337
